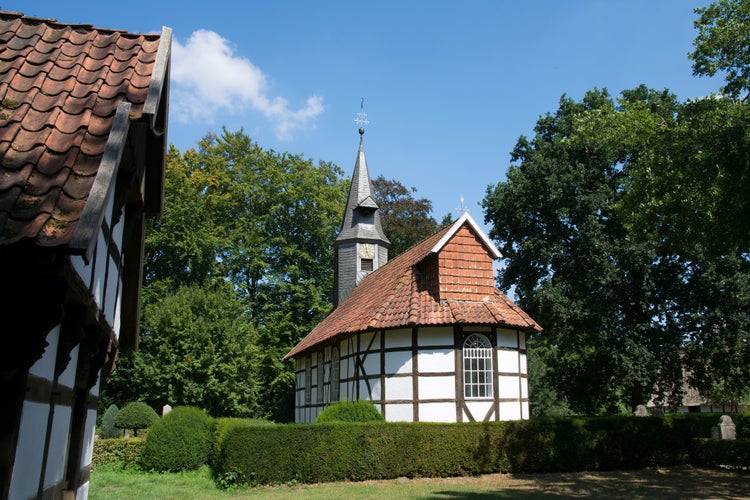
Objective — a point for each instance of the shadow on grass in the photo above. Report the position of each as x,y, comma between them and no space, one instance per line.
675,482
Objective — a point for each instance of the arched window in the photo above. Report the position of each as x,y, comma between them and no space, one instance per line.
477,367
335,374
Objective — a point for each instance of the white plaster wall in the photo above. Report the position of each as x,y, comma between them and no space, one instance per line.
397,388
524,367
82,269
45,367
365,339
522,337
508,387
507,361
399,412
398,362
478,409
524,388
83,491
525,410
436,361
376,393
442,335
510,411
372,363
437,412
398,338
437,388
27,466
88,437
58,446
507,338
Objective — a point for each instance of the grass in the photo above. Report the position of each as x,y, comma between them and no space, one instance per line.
111,482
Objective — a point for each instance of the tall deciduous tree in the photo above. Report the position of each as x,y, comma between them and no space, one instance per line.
723,45
406,220
572,263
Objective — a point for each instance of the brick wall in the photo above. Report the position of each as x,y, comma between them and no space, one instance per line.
465,268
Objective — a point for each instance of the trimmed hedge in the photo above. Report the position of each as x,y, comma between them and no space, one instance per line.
350,411
734,454
181,440
360,451
108,451
135,415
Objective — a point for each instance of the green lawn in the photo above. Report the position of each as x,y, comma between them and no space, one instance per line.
110,482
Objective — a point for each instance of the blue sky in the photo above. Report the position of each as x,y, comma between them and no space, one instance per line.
448,86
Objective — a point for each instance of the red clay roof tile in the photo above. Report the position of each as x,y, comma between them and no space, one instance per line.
59,89
402,294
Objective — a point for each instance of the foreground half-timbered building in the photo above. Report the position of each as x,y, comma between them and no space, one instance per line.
425,336
83,116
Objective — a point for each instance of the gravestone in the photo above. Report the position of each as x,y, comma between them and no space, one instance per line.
165,409
727,429
640,411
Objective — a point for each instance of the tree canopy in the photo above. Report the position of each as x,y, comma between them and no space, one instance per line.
626,224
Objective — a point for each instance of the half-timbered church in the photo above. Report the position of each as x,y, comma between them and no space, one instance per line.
83,115
425,336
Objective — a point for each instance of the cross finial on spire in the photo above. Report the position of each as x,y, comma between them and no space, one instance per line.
361,119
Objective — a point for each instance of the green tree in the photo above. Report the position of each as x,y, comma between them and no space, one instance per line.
198,348
406,220
723,45
571,262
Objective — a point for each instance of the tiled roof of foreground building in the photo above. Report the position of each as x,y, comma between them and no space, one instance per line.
68,94
446,279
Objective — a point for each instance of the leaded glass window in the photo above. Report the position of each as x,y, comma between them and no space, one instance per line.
477,367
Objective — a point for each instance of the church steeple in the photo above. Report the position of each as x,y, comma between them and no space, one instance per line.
361,246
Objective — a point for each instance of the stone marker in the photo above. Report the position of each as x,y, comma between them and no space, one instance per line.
640,411
658,412
727,429
165,409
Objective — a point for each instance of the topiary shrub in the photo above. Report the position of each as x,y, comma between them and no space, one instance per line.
109,430
124,451
136,415
350,411
181,440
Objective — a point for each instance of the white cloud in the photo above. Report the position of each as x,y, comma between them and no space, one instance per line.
208,78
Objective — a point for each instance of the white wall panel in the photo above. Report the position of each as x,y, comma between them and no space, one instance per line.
524,388
27,466
437,412
398,388
524,366
441,335
525,410
399,413
45,367
508,387
88,438
436,361
398,338
437,388
372,363
100,265
507,361
510,411
398,362
68,377
113,289
58,446
507,338
83,270
376,393
478,409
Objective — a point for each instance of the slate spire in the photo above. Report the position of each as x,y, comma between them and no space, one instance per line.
361,246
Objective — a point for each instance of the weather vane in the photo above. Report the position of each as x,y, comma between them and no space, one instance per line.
461,207
362,117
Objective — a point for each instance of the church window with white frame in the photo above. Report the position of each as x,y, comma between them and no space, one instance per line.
477,356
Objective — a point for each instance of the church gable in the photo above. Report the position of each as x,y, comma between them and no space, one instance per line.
465,268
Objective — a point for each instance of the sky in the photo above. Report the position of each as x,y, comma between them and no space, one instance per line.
448,87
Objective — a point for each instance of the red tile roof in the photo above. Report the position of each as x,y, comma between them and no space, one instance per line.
60,89
406,292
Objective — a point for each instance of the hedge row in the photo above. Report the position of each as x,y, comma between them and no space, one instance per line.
121,450
734,454
360,451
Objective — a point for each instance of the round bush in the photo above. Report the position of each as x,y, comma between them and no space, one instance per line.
109,430
136,415
179,441
350,411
